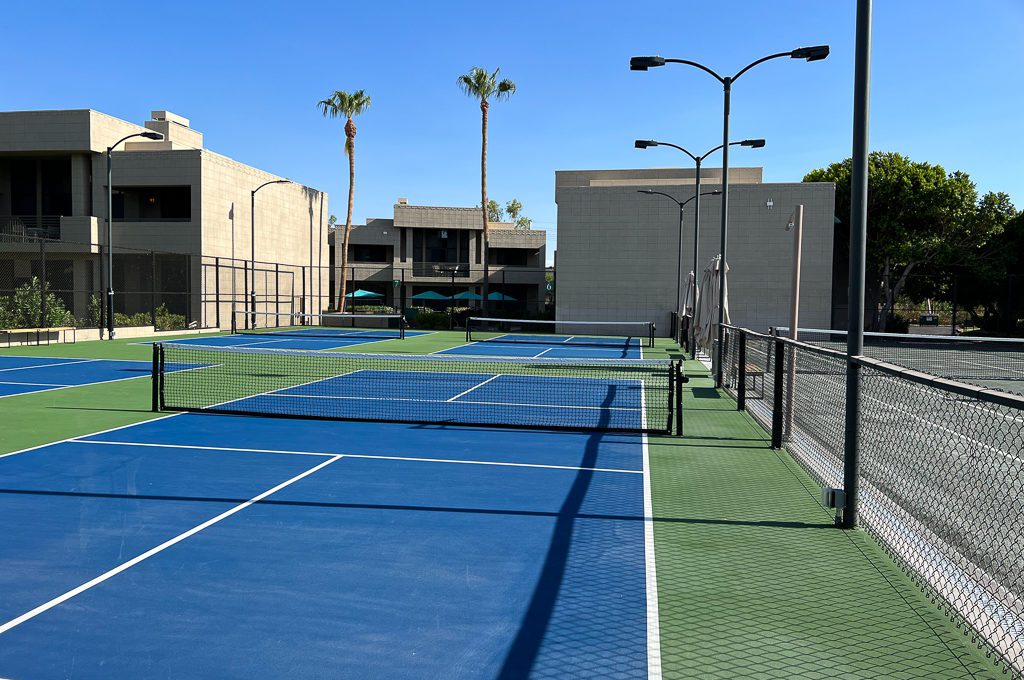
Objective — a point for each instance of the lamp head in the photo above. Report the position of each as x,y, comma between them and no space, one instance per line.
644,63
816,53
644,143
644,191
753,143
716,192
152,135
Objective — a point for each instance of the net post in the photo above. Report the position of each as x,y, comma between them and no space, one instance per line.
741,372
469,323
777,400
680,379
650,332
155,386
401,326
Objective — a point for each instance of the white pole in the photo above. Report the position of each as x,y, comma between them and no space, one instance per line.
797,224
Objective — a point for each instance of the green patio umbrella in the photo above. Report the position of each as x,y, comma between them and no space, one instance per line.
360,293
467,295
500,297
429,295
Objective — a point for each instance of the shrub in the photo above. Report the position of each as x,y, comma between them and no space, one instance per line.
24,308
166,321
122,320
431,320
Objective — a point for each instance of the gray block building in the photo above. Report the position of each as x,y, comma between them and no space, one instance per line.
181,219
438,248
617,255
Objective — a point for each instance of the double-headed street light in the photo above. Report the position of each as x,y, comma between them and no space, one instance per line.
109,306
252,247
815,53
679,258
646,144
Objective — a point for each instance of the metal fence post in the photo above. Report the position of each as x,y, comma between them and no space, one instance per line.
152,287
778,399
216,294
741,372
42,290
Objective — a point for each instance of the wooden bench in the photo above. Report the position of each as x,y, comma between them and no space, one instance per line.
40,332
753,372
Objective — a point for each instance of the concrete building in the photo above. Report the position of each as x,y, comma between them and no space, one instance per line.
172,196
618,249
434,248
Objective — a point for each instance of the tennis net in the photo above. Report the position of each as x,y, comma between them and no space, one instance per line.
946,356
332,325
589,394
534,331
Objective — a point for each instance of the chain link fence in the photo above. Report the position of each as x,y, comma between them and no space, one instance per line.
941,470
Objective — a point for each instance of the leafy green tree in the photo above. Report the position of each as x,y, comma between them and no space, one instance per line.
343,104
24,308
494,211
480,84
514,210
919,217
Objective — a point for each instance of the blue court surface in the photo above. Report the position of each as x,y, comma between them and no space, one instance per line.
299,338
21,375
216,546
551,347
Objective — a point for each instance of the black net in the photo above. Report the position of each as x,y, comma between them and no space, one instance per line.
621,395
330,325
942,473
532,331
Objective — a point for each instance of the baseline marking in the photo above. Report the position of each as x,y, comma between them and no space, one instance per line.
31,614
61,363
413,459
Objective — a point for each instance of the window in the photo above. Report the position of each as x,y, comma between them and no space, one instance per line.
512,257
369,253
152,204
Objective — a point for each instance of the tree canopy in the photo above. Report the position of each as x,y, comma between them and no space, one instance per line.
926,222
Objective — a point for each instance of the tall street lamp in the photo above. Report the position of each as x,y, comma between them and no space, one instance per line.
252,247
679,259
109,306
816,53
647,143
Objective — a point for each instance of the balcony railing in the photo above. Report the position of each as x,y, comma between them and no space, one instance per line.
30,226
459,270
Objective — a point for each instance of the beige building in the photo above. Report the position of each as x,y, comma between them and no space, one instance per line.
618,248
175,197
424,249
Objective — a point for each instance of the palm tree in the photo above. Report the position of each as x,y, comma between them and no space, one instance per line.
479,84
340,104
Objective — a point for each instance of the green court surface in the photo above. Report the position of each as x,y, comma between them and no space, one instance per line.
753,580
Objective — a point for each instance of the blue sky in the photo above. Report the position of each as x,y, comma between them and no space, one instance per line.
947,86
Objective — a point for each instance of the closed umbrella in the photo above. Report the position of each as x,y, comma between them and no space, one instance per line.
706,316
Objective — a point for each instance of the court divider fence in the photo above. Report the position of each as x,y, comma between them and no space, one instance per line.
942,470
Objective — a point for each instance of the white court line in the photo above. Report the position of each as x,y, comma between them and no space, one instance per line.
650,570
439,401
62,363
413,459
65,387
478,385
569,339
31,614
11,382
535,356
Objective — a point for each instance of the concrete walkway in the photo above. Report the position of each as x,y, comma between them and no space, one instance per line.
755,582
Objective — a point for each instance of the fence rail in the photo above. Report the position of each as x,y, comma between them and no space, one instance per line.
942,470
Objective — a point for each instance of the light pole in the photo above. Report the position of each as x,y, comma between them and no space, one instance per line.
647,143
679,259
815,53
252,247
109,306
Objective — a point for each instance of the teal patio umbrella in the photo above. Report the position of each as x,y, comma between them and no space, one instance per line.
429,295
362,294
500,297
467,295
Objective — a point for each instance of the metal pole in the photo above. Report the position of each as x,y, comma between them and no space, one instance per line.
794,315
110,247
727,88
858,249
43,286
696,236
252,259
679,267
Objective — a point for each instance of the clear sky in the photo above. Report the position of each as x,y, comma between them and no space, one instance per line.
948,85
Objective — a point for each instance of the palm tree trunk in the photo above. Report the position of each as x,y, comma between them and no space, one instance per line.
348,217
483,202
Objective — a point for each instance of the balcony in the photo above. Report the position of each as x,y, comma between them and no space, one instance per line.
30,226
445,270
